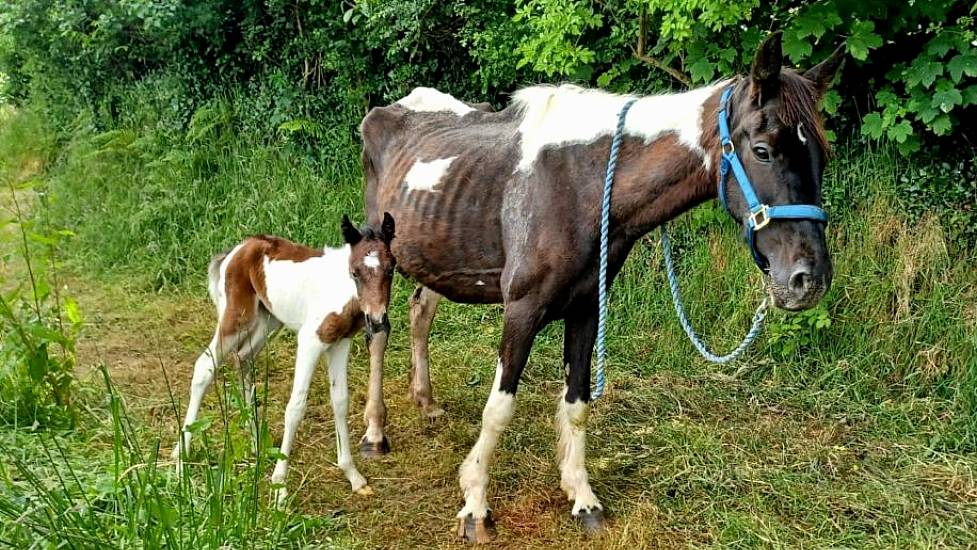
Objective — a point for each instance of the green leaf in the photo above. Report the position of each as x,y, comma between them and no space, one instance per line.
942,125
910,146
72,312
831,102
923,72
940,45
946,97
962,63
38,364
796,47
199,426
702,70
872,125
900,131
970,95
45,334
863,39
347,15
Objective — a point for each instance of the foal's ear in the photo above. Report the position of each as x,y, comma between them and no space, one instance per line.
824,72
765,74
350,233
387,228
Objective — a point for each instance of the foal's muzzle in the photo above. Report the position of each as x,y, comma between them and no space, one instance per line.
376,324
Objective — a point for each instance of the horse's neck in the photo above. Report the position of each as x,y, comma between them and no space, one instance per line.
673,173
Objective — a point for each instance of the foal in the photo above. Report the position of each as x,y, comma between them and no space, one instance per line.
324,295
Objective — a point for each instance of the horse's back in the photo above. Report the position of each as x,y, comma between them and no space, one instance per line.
440,167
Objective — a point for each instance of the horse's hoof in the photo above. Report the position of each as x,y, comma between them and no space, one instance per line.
476,531
374,449
592,520
365,491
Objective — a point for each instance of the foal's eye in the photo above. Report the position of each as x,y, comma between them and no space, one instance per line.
761,152
354,275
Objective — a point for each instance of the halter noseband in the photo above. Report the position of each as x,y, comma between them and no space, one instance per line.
760,213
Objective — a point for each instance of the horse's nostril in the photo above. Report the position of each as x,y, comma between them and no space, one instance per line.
800,281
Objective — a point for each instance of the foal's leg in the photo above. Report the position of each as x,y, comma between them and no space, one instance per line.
306,357
249,349
423,306
519,330
339,395
571,418
203,375
374,442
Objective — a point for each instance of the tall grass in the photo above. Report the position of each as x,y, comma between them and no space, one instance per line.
111,487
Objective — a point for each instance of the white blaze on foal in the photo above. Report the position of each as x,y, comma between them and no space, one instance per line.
324,295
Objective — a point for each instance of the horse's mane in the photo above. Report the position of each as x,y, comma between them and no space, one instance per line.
799,99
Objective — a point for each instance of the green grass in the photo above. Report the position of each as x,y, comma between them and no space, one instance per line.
849,426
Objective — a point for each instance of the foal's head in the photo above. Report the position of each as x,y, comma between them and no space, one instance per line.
371,265
779,138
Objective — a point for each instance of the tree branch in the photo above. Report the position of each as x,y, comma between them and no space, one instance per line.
640,55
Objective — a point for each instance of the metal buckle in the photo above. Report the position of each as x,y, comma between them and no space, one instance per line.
760,218
730,150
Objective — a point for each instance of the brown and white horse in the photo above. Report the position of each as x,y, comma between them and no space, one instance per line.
504,207
324,295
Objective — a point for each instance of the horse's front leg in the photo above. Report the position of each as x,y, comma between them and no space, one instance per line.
374,442
571,416
520,327
338,355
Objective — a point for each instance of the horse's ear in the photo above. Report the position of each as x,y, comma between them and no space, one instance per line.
824,72
350,233
387,227
765,74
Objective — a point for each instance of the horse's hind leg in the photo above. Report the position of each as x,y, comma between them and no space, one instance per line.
571,418
245,358
423,306
220,346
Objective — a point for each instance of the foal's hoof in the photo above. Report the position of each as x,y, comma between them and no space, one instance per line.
477,531
374,449
592,520
432,412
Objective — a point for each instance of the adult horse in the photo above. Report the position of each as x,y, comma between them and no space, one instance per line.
505,207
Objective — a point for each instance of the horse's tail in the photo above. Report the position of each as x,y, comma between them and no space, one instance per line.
214,275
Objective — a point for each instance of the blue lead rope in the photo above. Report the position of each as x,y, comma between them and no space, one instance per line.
605,221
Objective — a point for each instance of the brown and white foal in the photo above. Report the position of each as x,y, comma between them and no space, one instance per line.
324,295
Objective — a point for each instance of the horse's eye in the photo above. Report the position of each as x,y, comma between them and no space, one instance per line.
761,152
354,275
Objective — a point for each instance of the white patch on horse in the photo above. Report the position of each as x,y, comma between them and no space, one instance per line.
571,423
371,260
479,283
424,175
431,100
473,474
800,134
568,115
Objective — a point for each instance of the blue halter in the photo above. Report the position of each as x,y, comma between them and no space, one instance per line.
760,213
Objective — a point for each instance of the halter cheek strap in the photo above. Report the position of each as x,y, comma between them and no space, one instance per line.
760,213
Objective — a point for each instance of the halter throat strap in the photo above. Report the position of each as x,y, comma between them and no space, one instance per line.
760,214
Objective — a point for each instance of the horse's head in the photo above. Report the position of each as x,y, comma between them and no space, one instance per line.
778,136
371,265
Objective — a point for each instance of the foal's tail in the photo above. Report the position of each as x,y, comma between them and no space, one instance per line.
214,275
